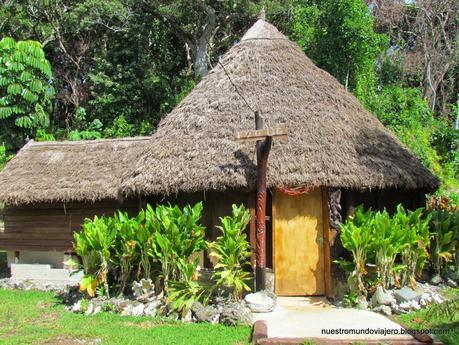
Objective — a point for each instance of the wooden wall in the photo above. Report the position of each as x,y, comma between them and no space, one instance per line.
47,227
382,198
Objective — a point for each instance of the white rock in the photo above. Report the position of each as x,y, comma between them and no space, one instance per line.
97,310
138,310
405,306
383,309
260,302
437,298
127,310
415,305
76,308
382,297
150,309
90,309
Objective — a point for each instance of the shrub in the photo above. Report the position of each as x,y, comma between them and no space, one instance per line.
357,238
232,251
414,229
444,228
177,234
376,237
125,247
164,236
94,245
188,290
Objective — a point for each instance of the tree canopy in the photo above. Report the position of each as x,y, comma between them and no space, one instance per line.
118,66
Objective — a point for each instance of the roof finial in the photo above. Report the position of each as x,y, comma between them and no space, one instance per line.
262,14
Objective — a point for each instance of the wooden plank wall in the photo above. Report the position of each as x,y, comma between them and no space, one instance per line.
47,227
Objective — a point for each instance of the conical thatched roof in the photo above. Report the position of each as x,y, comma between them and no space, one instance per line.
68,171
333,140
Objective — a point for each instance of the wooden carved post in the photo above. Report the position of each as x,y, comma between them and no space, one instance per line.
263,148
263,138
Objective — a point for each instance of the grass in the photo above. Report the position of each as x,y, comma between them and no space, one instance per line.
436,317
34,317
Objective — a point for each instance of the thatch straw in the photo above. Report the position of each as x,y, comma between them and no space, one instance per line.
333,140
68,171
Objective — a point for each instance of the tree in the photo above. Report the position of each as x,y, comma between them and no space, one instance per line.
26,90
204,27
338,36
426,32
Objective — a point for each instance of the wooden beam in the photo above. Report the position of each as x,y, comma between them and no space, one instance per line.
278,133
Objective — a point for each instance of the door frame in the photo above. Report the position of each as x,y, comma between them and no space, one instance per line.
326,243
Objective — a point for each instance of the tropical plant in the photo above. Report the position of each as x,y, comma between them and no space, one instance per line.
94,243
25,86
444,227
185,292
144,237
387,242
232,251
125,245
177,234
415,237
356,237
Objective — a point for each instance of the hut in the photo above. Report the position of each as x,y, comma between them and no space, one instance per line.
337,156
49,188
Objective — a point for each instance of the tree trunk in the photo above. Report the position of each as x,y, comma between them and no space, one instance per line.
201,43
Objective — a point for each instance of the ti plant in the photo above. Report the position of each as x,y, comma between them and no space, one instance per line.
185,292
415,237
125,246
177,234
356,237
95,242
232,251
387,243
444,227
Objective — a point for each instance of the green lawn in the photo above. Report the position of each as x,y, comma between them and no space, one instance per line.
35,317
429,319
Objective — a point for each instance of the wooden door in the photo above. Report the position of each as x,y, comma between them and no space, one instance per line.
298,230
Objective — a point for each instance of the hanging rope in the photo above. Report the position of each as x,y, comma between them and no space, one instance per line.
295,191
235,87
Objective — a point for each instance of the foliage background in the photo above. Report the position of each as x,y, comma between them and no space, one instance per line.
120,66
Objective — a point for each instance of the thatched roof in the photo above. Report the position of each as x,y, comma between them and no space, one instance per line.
68,171
333,140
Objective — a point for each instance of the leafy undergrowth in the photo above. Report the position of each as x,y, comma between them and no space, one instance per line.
35,317
437,317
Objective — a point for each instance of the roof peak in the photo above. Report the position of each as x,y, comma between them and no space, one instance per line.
263,30
262,14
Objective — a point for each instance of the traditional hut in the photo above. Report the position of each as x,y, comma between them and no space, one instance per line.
49,188
337,155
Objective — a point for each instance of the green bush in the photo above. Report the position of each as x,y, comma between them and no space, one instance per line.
94,244
163,243
356,237
131,246
177,234
433,140
444,228
185,292
379,239
232,251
